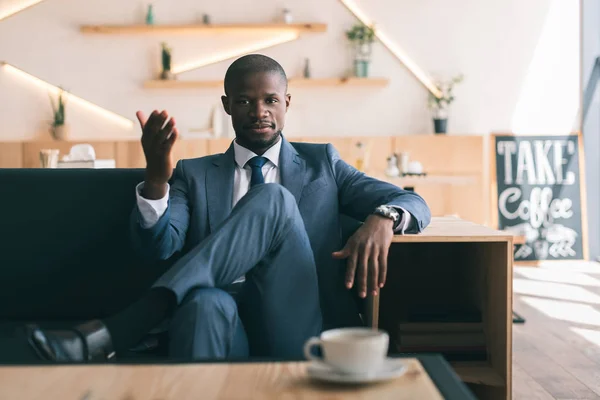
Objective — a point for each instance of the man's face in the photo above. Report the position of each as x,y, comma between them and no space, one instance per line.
257,103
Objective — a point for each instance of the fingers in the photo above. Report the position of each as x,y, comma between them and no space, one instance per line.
351,269
174,136
340,255
171,140
165,133
383,256
362,271
151,120
142,118
373,272
155,122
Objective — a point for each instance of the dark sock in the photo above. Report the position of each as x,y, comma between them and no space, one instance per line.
129,326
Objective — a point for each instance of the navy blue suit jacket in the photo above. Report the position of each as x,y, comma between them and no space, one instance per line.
325,187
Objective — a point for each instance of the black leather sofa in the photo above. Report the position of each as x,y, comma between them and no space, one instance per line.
65,251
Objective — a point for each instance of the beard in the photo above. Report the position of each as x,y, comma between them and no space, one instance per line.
258,143
266,142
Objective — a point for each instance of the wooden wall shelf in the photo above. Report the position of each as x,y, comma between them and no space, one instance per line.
176,84
199,28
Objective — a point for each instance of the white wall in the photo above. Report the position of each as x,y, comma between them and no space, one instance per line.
492,42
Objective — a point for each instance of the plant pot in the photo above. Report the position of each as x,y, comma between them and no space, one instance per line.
167,75
440,125
49,158
60,132
361,68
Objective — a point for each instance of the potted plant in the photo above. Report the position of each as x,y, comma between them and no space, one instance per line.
439,106
166,73
361,37
59,129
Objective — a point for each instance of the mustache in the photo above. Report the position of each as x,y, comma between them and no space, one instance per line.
260,123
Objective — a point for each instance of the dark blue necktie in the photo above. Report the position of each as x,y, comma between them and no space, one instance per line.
256,163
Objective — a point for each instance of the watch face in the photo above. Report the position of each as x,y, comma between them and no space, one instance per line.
388,212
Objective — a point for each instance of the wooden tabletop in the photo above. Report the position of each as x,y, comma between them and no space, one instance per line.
451,229
266,380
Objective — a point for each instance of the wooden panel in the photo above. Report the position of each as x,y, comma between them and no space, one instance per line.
206,381
491,264
448,160
430,180
200,28
130,154
467,202
344,145
190,148
11,155
217,146
31,150
442,154
461,156
437,199
378,148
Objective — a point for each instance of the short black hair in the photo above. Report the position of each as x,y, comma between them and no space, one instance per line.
252,63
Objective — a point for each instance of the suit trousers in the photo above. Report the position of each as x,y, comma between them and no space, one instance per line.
277,309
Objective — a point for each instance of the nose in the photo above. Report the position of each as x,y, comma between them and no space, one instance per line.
258,111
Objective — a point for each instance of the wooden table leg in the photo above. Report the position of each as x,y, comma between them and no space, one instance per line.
373,311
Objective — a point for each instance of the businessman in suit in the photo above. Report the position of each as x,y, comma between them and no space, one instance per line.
265,214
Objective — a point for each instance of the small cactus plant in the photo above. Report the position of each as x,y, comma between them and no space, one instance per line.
58,109
166,62
59,129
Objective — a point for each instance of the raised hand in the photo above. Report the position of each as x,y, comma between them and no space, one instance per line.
157,141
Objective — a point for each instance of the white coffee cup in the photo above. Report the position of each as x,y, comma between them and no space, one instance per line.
350,350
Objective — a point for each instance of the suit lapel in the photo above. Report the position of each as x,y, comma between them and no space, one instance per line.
292,169
219,188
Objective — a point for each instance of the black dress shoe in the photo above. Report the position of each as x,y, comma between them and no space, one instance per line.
87,342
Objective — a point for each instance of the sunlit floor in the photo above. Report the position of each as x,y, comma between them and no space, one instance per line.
556,352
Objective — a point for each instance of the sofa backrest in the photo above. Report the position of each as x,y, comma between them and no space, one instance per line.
65,251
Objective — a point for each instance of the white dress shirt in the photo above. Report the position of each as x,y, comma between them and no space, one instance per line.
152,210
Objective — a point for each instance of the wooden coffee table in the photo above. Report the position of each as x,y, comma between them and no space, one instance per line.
428,377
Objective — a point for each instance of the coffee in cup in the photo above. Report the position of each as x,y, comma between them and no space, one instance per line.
350,350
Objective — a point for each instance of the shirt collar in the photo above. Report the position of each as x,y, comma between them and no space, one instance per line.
243,155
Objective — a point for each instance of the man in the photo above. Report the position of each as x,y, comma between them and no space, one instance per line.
266,212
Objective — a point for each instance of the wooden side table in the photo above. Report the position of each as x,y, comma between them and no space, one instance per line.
460,266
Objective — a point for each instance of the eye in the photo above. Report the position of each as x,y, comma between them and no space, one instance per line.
272,100
242,102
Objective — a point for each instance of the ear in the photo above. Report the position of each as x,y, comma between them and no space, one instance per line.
225,101
288,99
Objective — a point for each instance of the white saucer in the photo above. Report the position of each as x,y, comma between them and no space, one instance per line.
391,368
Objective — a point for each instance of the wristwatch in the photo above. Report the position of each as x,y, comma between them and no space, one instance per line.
388,212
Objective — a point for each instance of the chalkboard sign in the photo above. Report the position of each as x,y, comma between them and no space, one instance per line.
539,195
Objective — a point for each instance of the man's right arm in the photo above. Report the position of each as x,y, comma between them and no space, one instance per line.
159,226
150,209
160,219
